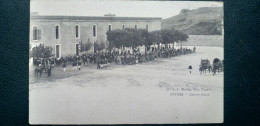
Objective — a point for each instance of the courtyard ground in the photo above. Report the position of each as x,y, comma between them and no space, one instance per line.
161,91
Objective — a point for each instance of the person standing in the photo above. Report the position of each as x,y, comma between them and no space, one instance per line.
98,63
79,64
136,59
64,66
49,71
190,68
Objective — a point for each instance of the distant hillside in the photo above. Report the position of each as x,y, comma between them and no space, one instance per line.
202,21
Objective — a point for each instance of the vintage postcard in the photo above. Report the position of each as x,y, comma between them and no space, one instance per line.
126,62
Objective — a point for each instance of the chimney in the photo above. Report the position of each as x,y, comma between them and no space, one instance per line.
109,15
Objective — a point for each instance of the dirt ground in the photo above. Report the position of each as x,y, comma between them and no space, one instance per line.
161,91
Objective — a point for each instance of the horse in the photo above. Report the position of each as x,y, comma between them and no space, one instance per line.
203,69
209,68
38,71
216,65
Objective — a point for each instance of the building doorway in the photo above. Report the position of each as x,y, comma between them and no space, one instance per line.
77,49
57,51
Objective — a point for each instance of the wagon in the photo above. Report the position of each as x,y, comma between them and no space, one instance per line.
217,65
204,65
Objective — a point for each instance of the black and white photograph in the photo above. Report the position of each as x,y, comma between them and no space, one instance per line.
126,62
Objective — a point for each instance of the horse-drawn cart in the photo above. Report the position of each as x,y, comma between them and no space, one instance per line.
204,66
217,66
39,70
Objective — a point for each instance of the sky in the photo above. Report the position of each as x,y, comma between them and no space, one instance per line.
120,8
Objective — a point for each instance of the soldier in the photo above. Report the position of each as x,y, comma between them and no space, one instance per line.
49,71
79,64
190,68
98,63
64,66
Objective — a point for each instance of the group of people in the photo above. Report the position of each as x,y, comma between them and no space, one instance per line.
105,59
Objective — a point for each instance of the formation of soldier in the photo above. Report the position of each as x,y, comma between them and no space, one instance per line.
123,58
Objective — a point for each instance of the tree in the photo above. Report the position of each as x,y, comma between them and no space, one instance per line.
168,36
117,37
85,46
101,46
81,46
171,35
130,37
154,37
88,45
127,37
98,46
42,51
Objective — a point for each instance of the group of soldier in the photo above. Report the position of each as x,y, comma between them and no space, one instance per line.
104,59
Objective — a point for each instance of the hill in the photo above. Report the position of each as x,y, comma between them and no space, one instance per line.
202,21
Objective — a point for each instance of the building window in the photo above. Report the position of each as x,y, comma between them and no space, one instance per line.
135,26
58,51
146,27
109,27
94,30
123,26
57,32
36,33
77,30
77,49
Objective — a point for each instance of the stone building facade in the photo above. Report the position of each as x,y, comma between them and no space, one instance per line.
63,33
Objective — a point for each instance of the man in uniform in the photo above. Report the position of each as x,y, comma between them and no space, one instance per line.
190,68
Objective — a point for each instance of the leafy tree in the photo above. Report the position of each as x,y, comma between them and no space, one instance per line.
98,46
42,51
128,37
85,46
171,36
154,37
168,36
88,45
82,47
136,37
117,37
110,46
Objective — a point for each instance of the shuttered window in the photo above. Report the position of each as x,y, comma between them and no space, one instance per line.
94,30
57,32
77,31
58,51
109,27
36,33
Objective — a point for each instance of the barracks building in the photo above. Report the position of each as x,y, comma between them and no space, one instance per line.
63,33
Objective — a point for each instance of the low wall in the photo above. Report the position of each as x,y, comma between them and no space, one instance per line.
204,40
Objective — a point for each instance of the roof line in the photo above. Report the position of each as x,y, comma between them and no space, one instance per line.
91,18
